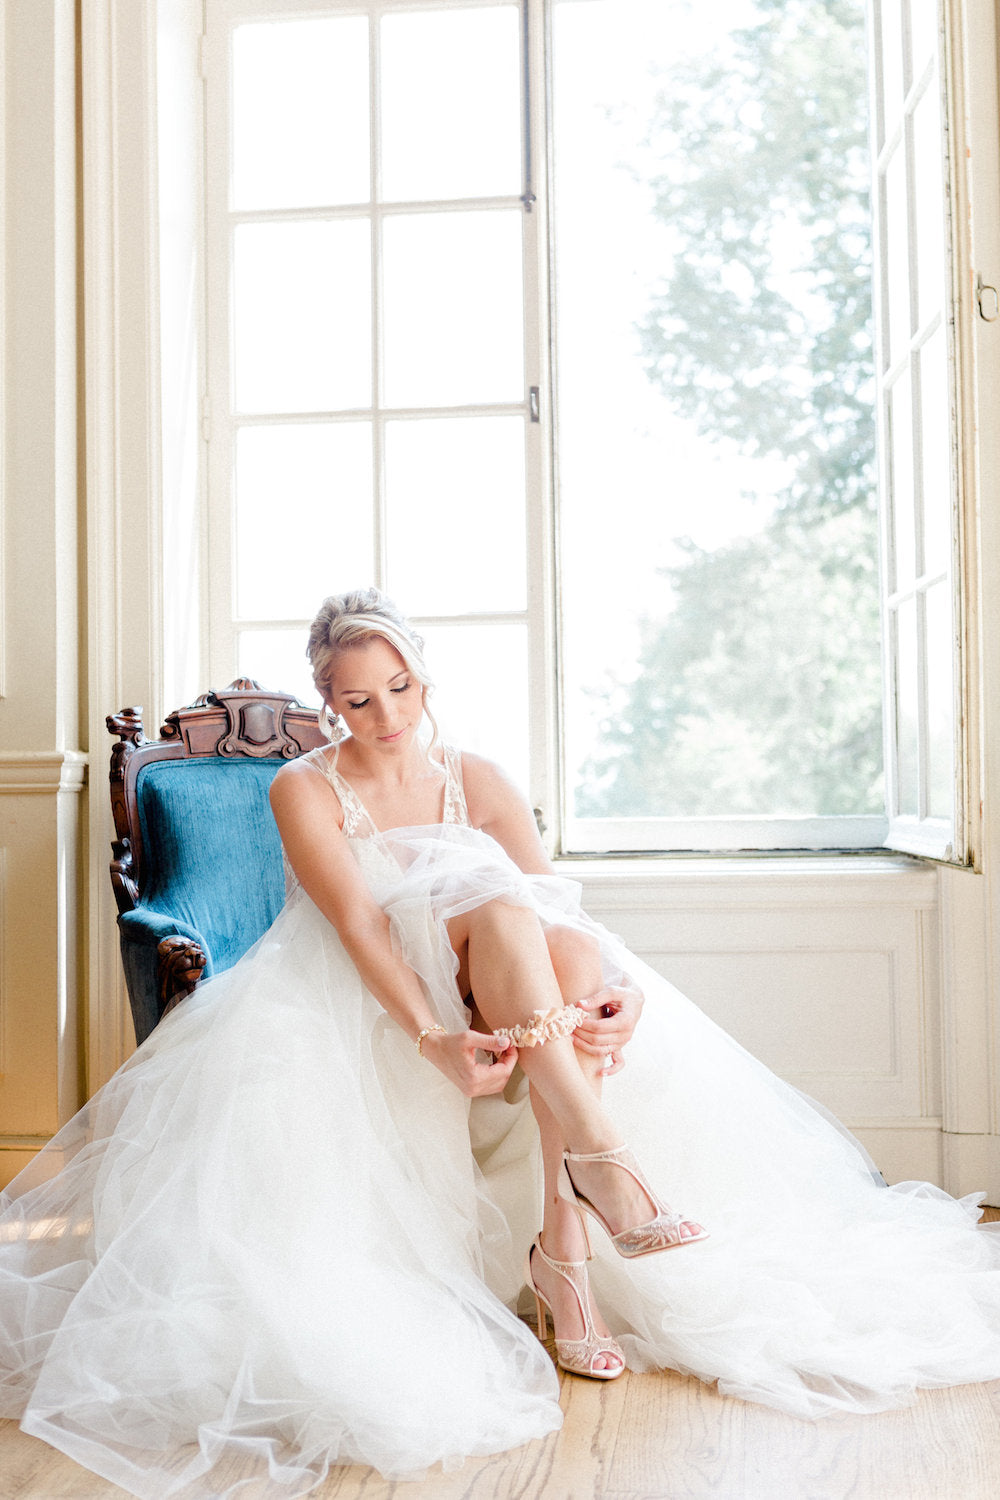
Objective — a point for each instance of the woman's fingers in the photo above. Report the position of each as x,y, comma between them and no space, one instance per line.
611,1019
600,1042
489,1076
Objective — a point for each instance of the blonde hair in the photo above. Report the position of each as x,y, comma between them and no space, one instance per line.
346,620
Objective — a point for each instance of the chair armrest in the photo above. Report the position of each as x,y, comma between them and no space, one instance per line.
148,927
161,956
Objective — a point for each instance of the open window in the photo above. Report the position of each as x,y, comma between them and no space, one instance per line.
556,320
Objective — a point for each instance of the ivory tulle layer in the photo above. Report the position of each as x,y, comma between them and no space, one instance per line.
266,1245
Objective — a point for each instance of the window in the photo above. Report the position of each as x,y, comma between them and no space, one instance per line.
559,315
919,524
370,414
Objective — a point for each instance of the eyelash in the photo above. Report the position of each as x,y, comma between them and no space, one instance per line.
365,701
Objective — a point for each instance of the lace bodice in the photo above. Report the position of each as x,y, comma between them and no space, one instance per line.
358,822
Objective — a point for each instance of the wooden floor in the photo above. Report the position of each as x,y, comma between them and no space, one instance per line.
661,1437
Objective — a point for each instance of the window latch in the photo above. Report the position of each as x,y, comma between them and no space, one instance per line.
989,302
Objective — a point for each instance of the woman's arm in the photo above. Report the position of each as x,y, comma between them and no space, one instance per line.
309,819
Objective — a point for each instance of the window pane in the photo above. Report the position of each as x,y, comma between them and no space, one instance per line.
481,697
935,438
453,309
451,104
901,481
304,519
929,227
715,430
448,480
940,704
892,56
277,659
302,316
300,113
897,267
907,745
923,34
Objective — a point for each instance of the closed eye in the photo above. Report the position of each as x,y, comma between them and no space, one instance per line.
404,689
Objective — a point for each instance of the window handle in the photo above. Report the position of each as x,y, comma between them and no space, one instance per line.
989,302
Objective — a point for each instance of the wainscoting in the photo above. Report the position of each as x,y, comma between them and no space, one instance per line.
825,969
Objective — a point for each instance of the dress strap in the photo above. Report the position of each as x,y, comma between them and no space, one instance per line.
455,806
358,822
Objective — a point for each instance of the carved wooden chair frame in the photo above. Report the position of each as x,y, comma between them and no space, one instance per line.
242,720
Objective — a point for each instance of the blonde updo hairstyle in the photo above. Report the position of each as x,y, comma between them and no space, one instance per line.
346,620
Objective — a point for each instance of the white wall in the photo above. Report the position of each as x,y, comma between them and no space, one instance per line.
41,765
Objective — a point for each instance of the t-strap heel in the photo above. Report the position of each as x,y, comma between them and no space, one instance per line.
576,1356
666,1231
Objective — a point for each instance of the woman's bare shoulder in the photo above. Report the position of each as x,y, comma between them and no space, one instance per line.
302,780
485,777
498,806
491,796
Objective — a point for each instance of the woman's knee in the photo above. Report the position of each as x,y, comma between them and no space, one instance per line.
492,922
576,961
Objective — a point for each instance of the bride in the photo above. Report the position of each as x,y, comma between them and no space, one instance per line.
293,1229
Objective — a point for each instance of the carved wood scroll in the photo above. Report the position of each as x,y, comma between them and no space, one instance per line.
181,965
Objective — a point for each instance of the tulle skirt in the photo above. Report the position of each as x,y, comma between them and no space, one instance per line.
278,1239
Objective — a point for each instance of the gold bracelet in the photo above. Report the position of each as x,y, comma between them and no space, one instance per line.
426,1032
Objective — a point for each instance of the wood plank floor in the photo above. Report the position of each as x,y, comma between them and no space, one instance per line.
661,1437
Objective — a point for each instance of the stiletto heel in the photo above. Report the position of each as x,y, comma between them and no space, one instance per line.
664,1232
567,1192
575,1356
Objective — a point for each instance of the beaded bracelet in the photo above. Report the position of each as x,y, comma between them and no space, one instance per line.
543,1026
426,1032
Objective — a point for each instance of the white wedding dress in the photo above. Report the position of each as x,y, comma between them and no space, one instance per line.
279,1239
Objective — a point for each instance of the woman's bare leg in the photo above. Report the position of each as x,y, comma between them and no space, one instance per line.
514,968
503,950
503,955
576,963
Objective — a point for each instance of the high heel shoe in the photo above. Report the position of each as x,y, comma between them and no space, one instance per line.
662,1233
576,1356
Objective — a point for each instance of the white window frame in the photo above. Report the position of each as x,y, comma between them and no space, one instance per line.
548,791
222,423
918,832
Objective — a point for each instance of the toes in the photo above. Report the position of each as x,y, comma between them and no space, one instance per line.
609,1362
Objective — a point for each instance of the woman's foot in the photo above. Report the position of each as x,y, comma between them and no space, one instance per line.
611,1186
584,1345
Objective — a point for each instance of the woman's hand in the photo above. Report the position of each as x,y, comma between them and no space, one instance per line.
454,1054
611,1020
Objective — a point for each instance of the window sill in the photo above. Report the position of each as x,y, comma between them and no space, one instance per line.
670,881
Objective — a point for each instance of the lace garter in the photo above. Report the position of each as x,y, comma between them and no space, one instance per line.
543,1026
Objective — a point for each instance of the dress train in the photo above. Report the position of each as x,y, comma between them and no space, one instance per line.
278,1239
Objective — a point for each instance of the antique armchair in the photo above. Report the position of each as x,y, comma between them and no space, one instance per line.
197,870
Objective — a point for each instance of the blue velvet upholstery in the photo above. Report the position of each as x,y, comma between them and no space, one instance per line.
213,854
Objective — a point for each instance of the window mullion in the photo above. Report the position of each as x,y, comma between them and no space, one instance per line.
544,753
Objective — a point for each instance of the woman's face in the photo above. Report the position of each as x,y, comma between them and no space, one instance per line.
379,699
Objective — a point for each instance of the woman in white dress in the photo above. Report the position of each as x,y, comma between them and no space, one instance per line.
537,985
291,1230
